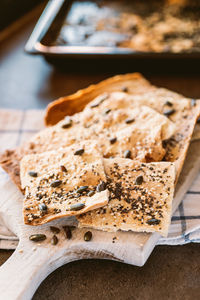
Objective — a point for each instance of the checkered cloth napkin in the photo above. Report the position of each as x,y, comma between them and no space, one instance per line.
18,126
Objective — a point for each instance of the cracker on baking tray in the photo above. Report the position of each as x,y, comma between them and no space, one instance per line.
140,197
61,183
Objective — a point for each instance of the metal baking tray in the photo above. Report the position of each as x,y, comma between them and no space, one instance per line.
50,23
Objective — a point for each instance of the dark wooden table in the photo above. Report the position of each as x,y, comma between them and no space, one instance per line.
172,272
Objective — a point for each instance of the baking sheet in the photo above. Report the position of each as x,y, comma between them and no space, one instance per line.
47,34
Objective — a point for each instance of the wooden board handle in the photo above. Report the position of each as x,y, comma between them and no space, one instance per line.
23,272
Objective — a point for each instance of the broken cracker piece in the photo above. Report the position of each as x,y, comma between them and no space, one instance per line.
62,183
140,197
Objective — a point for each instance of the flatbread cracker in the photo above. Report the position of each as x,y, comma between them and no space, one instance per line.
62,183
140,197
183,112
139,89
112,120
133,83
140,130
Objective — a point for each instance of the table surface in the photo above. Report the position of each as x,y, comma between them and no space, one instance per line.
172,272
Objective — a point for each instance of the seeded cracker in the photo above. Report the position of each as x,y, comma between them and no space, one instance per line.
133,83
183,112
143,136
140,130
57,192
140,197
138,90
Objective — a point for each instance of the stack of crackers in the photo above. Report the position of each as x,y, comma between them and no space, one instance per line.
110,156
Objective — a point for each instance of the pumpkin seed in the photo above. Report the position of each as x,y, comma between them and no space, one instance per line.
91,193
33,174
169,112
37,237
101,187
168,103
77,206
67,124
94,105
127,154
82,189
79,152
153,221
107,111
139,180
67,232
100,99
63,168
42,207
129,121
124,89
54,240
54,229
113,140
88,236
56,183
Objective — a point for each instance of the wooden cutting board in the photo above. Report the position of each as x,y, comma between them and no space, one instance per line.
32,262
